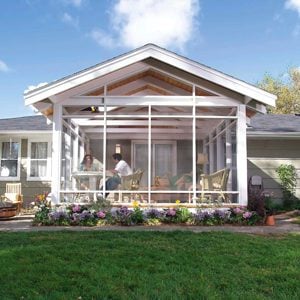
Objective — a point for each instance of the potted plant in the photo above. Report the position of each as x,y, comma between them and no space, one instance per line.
269,211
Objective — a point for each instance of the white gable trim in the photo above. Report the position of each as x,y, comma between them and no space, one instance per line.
140,54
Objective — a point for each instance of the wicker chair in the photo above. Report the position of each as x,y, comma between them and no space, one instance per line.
130,183
215,182
13,194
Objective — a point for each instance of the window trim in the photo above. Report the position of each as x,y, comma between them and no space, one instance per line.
14,140
49,155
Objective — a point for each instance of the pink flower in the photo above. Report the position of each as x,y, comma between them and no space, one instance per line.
237,210
76,208
101,214
247,215
171,212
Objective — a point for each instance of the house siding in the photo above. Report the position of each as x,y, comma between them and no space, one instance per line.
264,156
29,188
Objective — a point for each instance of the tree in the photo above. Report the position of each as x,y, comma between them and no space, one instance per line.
286,88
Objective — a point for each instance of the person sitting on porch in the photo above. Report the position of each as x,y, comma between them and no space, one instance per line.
88,164
121,169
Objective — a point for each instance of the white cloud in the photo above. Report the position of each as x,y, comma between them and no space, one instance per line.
293,4
102,38
33,87
168,23
68,19
3,67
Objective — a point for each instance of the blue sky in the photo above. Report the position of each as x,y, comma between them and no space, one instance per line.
44,40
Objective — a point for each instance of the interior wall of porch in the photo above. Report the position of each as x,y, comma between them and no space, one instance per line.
97,151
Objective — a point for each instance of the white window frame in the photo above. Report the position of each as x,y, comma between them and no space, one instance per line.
13,140
39,178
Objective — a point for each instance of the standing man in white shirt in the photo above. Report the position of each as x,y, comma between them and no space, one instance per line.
121,169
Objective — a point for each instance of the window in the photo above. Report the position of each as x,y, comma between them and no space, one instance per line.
10,152
39,160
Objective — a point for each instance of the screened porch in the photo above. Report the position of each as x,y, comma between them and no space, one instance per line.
179,148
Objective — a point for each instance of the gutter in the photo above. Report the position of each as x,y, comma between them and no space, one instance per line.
276,135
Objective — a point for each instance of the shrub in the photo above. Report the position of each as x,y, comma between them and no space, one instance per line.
288,178
204,217
241,216
59,217
256,202
183,215
122,216
42,208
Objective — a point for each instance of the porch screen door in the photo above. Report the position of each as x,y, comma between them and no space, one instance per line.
163,160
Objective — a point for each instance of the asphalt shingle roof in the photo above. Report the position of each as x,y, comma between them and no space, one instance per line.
25,123
275,123
266,123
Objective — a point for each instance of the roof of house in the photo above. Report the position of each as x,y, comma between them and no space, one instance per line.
274,123
260,124
148,51
29,123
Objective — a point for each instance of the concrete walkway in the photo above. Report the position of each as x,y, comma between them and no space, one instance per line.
283,225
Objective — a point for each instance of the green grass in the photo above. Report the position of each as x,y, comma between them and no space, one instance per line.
148,265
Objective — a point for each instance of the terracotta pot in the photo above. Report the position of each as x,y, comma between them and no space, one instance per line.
270,221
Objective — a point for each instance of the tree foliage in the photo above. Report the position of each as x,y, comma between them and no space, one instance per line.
286,88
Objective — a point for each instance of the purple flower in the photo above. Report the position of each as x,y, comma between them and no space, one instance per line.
76,217
85,215
58,215
247,215
153,213
101,214
238,211
221,214
76,208
171,212
202,216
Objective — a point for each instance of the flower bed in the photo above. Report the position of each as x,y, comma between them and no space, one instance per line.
81,215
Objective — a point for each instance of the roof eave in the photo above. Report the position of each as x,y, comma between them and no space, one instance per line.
142,53
279,135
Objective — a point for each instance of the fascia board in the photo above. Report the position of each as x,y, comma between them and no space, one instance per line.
157,53
82,77
278,135
25,132
219,78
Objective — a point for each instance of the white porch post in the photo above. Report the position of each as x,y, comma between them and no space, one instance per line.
211,153
149,153
241,140
56,153
220,150
229,154
194,146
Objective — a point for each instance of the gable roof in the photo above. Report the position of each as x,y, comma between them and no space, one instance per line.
140,54
30,123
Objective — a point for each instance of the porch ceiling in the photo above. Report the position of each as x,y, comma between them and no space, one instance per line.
172,127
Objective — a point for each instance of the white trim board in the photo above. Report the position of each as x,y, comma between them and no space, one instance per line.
141,54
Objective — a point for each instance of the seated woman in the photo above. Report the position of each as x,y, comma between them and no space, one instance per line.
88,164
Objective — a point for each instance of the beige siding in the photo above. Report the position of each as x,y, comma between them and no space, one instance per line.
264,156
29,188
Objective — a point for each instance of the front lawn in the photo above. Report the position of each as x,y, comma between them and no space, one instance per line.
148,265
